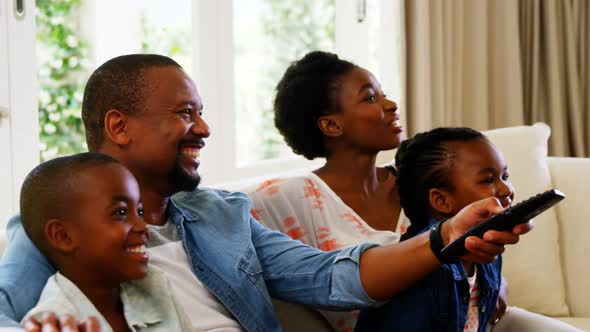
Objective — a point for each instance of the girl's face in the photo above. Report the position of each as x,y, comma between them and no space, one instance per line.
479,171
367,119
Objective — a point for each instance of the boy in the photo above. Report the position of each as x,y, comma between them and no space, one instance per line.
85,214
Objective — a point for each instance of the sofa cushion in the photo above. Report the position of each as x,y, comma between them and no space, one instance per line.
571,175
533,266
583,323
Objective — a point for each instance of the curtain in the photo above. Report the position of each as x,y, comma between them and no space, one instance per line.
555,35
497,63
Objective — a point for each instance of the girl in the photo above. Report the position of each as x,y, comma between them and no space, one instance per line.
439,172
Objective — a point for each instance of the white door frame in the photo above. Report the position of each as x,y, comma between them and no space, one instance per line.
19,127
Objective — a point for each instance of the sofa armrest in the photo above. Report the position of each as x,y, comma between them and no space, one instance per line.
296,317
572,176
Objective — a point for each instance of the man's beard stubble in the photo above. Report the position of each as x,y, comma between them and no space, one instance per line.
183,181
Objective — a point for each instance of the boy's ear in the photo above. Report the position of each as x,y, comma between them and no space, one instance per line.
59,236
116,127
441,201
330,126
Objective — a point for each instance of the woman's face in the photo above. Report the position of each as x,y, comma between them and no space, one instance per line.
367,120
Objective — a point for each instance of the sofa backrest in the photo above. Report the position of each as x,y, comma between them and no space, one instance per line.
572,176
533,267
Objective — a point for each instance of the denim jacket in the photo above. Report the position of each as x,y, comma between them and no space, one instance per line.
240,261
438,302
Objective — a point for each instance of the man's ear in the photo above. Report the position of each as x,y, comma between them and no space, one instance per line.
330,126
116,127
441,201
59,236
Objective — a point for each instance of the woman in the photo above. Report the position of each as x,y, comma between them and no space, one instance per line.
328,107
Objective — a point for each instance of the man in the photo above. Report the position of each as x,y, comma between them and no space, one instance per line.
224,266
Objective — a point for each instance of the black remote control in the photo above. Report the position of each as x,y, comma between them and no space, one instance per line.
506,220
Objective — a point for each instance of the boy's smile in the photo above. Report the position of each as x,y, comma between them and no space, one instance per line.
138,252
108,229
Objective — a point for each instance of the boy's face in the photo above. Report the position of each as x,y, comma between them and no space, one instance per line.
478,172
108,229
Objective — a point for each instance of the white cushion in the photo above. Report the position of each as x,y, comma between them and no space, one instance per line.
583,323
533,266
572,176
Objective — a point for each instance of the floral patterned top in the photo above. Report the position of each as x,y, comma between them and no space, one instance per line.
307,209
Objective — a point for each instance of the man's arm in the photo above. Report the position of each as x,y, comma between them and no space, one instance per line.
388,270
24,270
359,275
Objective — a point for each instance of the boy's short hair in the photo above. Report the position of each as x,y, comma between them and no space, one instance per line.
47,189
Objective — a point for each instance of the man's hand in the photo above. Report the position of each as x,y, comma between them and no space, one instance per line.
482,250
51,322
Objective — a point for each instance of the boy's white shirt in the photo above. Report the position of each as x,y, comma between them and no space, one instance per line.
148,303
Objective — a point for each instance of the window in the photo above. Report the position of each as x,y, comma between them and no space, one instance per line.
236,51
268,36
76,36
18,119
245,46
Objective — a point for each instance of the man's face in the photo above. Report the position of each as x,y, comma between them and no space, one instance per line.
167,134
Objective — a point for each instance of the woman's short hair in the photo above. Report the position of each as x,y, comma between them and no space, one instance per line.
308,90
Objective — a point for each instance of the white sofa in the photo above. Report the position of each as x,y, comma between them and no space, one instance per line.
548,272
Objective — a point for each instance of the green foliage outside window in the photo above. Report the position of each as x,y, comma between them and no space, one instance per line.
62,72
294,28
174,41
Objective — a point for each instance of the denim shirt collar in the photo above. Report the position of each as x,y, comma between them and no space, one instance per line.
176,213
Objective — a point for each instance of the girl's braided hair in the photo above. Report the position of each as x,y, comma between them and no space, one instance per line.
424,162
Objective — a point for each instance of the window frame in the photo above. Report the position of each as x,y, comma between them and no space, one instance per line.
19,130
213,63
212,33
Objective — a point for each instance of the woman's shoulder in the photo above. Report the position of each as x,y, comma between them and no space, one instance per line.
284,185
